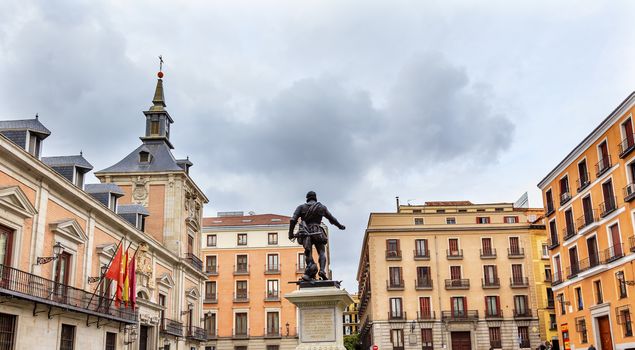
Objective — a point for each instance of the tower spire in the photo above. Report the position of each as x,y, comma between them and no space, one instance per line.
158,120
158,101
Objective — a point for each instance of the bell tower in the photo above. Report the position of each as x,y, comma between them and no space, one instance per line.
158,120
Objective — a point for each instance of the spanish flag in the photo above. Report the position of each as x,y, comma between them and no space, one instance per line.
126,283
114,269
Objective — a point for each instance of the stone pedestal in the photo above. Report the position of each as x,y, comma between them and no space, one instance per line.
320,317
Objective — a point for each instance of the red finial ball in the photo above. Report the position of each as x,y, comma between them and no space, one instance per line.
160,75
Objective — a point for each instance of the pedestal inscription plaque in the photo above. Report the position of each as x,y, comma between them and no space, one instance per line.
318,325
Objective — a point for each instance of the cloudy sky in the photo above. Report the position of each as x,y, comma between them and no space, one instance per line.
360,101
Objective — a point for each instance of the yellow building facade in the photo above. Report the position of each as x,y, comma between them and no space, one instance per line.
452,275
589,211
350,317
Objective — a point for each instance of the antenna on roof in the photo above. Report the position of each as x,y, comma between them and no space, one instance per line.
81,153
36,116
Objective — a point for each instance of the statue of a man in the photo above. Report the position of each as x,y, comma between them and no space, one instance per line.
311,233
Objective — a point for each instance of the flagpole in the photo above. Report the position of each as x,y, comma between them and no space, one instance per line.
131,297
122,254
101,279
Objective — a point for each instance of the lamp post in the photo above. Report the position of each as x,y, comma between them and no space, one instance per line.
57,250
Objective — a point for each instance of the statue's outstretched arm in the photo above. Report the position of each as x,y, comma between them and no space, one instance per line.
332,219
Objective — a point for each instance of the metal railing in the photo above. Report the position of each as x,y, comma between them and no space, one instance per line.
299,268
241,297
240,333
423,283
421,255
573,271
602,166
627,145
517,252
518,282
454,254
565,197
460,283
525,343
613,253
488,253
394,284
19,284
210,298
427,315
272,295
459,315
590,216
553,242
171,327
196,333
241,269
522,313
583,182
608,206
496,344
491,282
194,261
272,269
494,313
271,332
568,232
557,278
211,269
550,208
394,315
393,254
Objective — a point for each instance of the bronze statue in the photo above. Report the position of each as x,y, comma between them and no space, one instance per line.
310,233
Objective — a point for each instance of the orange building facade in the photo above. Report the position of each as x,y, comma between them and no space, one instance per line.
250,260
588,199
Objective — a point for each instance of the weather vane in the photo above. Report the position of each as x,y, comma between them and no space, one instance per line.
160,74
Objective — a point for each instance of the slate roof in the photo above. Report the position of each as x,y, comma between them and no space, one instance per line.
132,209
104,188
161,160
24,124
78,161
247,220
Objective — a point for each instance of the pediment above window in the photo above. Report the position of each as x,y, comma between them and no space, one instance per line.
166,280
193,293
13,199
69,229
107,250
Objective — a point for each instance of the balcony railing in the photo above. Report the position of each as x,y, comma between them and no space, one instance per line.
550,208
394,284
393,254
211,334
565,197
393,315
602,166
271,332
241,297
211,270
573,271
488,253
272,295
421,254
426,315
568,232
241,269
454,254
613,253
524,343
519,282
194,261
496,344
272,269
522,313
423,284
557,278
517,252
299,268
459,315
590,216
608,206
171,327
240,333
196,333
461,283
583,182
210,298
553,242
588,263
627,145
23,285
494,313
489,283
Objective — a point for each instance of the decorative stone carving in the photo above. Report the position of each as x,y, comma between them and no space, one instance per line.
140,190
144,267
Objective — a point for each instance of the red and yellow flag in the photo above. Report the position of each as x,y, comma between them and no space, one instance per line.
125,297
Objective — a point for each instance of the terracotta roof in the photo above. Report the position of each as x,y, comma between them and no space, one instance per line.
448,203
246,220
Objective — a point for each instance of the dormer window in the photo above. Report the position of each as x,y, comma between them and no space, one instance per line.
112,204
79,178
35,144
141,222
144,157
154,127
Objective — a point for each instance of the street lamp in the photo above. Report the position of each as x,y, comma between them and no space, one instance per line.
57,250
287,325
190,307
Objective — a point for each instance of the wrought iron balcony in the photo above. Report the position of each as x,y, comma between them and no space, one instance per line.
590,216
583,182
573,271
454,254
496,344
490,283
488,253
557,278
240,333
522,313
553,242
23,285
613,253
426,315
271,332
272,295
565,197
608,206
627,145
524,343
171,327
421,254
588,263
211,334
210,298
394,284
603,166
517,252
460,283
299,268
519,282
423,284
241,269
393,254
196,333
395,315
459,315
194,261
211,270
629,192
272,269
241,297
568,232
550,208
493,313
